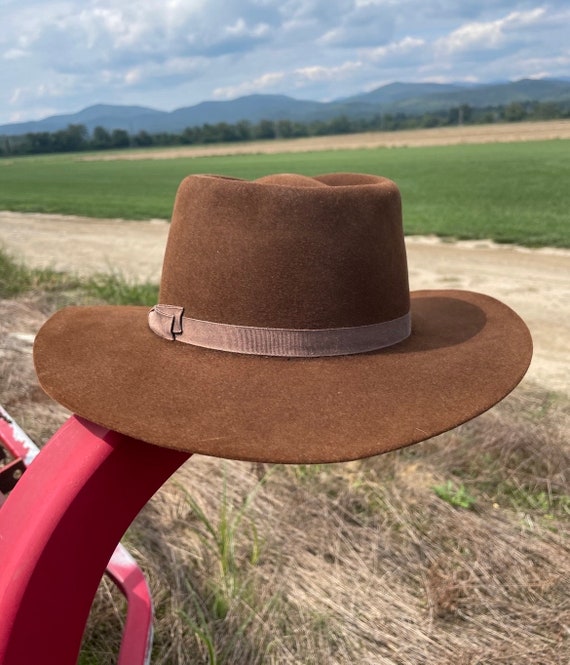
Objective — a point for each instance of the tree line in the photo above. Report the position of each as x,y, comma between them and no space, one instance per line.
76,138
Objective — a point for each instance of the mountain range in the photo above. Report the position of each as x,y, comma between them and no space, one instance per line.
409,98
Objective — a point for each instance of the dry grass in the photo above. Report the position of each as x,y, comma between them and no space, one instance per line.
362,563
355,563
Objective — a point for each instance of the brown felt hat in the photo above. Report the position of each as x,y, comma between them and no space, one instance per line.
285,331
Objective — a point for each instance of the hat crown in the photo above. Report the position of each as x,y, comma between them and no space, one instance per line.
287,251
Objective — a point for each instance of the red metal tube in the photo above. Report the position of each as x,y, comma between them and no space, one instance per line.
58,529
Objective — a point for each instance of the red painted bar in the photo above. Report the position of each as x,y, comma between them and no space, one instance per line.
58,530
136,641
137,634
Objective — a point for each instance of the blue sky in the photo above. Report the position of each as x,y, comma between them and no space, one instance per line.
59,57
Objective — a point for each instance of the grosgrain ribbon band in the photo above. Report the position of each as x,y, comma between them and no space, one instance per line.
168,322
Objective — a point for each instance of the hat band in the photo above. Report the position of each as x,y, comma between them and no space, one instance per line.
168,322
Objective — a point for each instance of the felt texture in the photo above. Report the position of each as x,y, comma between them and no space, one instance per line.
278,254
293,252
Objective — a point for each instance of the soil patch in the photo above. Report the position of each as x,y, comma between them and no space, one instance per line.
534,282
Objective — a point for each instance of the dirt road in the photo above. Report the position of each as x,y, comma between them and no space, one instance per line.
536,283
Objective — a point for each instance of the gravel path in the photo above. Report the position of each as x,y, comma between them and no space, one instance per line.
536,283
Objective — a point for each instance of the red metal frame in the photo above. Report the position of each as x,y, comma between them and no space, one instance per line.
136,643
58,529
13,437
122,569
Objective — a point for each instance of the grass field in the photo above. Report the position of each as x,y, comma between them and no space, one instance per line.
509,192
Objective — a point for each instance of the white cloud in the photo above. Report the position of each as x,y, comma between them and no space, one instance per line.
400,48
117,31
298,78
241,29
490,34
31,94
321,73
176,68
39,113
14,54
16,95
366,25
530,65
171,53
249,87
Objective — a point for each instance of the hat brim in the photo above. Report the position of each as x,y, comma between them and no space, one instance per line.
466,352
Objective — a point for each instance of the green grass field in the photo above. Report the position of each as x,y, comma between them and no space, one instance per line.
509,192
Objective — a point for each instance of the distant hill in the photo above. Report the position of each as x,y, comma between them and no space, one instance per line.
396,92
410,98
106,115
252,108
480,96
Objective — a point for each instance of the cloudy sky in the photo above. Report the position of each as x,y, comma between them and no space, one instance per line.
59,57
